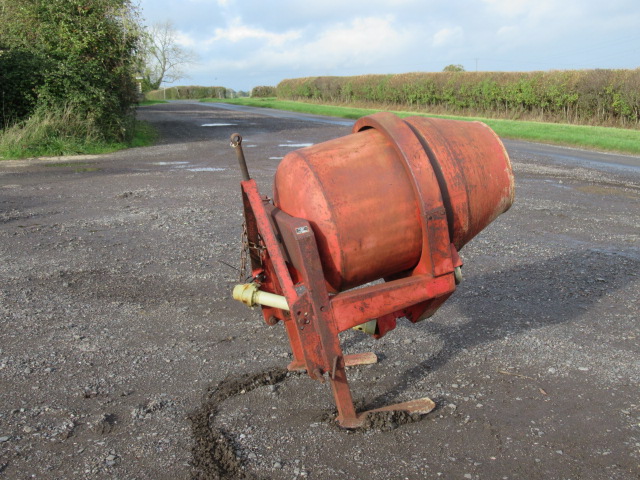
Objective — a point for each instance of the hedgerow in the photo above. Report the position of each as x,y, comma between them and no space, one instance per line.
189,93
263,92
602,97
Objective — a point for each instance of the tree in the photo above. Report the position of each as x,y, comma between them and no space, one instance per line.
453,68
163,60
21,73
71,58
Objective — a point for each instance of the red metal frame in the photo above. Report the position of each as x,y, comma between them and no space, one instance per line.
453,177
289,264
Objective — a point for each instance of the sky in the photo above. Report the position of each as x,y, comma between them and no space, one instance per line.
241,44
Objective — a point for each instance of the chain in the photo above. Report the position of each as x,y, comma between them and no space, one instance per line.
245,253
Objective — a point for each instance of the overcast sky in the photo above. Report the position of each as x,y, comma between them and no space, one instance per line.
245,43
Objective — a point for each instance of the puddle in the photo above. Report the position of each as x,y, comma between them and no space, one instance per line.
170,163
206,169
276,158
218,124
296,145
557,184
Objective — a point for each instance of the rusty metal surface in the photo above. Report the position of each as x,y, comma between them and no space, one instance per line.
473,169
370,195
317,183
435,253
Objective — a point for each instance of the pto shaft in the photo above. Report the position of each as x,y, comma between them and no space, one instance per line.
250,295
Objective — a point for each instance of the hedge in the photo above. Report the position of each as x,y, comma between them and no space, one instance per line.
595,97
263,92
190,93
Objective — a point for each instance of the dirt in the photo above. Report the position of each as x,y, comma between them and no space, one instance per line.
213,453
122,354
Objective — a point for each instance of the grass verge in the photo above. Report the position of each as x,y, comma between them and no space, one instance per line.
47,138
144,135
144,103
582,136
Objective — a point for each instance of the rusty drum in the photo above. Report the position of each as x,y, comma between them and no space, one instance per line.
369,195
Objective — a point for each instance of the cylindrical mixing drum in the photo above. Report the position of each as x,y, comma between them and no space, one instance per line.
358,192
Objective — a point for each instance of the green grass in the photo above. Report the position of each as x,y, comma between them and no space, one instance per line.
144,135
583,136
37,141
144,103
301,107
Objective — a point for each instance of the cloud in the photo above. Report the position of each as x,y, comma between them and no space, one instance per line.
185,40
448,36
363,40
236,31
360,42
245,43
535,9
511,8
507,31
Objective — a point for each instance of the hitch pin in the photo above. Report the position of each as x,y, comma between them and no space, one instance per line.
236,143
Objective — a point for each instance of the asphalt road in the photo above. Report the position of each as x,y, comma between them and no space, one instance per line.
561,155
123,356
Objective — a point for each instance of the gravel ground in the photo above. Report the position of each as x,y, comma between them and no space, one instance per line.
123,356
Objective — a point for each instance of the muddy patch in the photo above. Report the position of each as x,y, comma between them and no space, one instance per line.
387,421
216,454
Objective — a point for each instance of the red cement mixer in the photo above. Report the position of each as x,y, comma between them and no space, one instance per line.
394,200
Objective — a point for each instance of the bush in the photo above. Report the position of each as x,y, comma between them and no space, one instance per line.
72,58
53,132
21,73
263,92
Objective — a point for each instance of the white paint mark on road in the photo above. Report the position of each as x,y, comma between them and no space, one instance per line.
206,169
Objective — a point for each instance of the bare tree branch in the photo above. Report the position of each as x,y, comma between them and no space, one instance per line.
164,61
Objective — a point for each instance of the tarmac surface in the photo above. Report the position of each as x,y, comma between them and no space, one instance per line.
122,354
